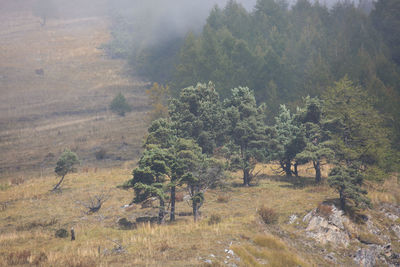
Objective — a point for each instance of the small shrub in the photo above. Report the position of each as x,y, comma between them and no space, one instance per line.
119,105
268,215
324,210
4,187
61,233
222,199
100,154
214,219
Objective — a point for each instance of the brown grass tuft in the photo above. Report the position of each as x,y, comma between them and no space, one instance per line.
268,215
18,257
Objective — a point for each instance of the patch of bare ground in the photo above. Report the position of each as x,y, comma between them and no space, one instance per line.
55,86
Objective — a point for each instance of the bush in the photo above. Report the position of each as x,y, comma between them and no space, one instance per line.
268,215
214,219
61,233
119,105
100,154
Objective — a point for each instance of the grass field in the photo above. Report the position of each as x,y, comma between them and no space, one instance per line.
65,106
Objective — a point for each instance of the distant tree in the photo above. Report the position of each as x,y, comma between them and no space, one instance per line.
65,164
318,143
119,105
246,131
45,9
287,141
385,17
347,181
158,96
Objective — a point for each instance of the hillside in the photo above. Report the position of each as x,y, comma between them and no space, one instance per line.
230,232
56,85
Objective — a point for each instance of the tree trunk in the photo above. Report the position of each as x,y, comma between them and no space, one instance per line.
296,172
172,214
287,168
161,212
342,200
246,177
195,211
317,167
59,183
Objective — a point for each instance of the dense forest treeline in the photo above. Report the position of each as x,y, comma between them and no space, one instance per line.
283,53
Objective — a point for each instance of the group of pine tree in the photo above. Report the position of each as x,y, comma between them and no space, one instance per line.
203,136
325,87
283,52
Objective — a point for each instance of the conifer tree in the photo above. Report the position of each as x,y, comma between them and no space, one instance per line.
318,144
197,114
247,131
287,141
151,176
347,181
357,129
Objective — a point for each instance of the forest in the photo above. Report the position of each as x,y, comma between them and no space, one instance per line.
282,52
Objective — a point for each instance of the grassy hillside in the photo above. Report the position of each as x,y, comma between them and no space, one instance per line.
56,85
31,214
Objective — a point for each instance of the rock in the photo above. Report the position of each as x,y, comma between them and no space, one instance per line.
396,230
61,233
329,229
292,218
125,224
208,262
366,257
331,257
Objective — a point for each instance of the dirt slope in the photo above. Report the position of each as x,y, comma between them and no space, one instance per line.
55,87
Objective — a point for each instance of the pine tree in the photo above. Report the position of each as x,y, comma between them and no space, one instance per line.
347,181
197,114
287,141
318,144
151,176
357,129
247,131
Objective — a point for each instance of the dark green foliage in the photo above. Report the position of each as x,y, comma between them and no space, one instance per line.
197,114
347,181
119,105
65,164
288,139
62,233
246,131
318,143
357,129
150,177
386,19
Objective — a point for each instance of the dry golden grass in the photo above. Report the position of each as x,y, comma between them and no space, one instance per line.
33,214
66,107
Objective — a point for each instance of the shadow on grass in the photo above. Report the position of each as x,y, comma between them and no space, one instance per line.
293,182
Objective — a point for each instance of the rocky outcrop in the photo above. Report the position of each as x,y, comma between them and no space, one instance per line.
328,227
